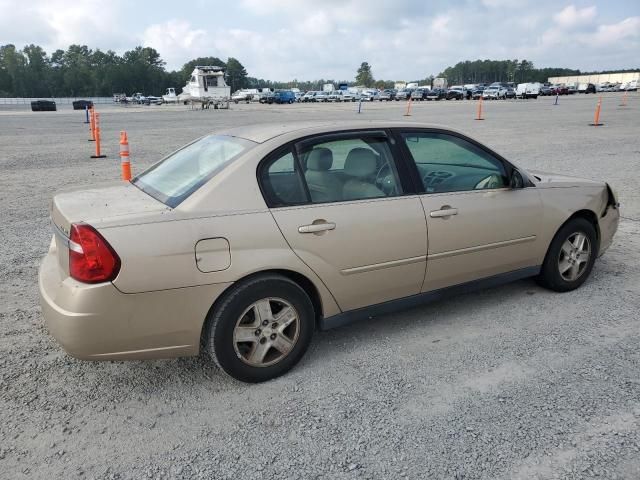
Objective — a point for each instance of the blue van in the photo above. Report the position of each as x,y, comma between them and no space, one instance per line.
284,96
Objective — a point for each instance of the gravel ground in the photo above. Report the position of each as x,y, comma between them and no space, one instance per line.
510,383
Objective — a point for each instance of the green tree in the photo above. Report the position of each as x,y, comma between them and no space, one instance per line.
236,74
13,65
364,76
188,67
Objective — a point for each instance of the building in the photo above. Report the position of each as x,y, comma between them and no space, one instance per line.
598,78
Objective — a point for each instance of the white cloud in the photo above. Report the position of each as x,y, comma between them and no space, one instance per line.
571,17
176,40
629,28
307,39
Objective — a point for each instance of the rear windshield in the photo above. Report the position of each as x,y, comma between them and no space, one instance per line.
176,177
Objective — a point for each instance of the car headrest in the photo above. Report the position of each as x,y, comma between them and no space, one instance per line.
320,159
361,162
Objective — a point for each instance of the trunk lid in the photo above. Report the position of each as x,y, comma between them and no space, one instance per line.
112,203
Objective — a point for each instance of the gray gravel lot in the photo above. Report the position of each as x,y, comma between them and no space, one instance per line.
510,383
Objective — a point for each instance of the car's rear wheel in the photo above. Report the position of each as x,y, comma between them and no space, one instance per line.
261,328
570,257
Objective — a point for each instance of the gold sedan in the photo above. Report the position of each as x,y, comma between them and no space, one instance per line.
244,242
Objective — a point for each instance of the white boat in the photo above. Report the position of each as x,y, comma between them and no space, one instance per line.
170,96
206,87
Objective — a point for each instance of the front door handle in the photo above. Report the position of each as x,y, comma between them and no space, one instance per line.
317,227
445,211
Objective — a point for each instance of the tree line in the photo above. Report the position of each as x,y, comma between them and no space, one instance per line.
81,71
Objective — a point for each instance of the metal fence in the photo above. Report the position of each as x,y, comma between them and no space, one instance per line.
58,100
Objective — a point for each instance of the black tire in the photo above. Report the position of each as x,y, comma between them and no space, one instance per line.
221,322
550,276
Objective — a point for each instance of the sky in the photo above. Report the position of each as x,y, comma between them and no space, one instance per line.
307,40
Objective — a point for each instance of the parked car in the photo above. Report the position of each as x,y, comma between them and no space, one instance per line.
284,96
477,92
455,94
137,98
82,104
419,94
369,95
436,94
586,88
43,106
346,96
387,95
321,97
511,93
151,99
494,93
560,89
404,94
242,96
545,91
267,97
144,269
310,96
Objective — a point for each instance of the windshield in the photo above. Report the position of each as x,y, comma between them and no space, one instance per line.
176,177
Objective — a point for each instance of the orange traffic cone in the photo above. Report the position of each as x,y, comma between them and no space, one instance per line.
124,157
96,128
92,133
408,112
479,116
596,115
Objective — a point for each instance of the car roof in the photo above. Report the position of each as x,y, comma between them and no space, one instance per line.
262,132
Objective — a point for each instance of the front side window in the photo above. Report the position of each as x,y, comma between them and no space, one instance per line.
349,169
447,163
176,177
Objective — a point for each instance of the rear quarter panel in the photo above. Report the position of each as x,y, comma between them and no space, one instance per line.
161,255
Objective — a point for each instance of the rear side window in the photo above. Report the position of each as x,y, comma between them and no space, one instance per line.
330,170
176,177
282,181
347,169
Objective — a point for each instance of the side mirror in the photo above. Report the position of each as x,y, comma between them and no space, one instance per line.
516,180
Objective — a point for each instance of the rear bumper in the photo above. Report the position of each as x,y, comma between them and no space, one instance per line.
98,322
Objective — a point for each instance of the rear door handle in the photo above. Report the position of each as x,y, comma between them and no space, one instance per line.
317,227
445,211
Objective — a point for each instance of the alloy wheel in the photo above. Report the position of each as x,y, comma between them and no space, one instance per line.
266,332
574,256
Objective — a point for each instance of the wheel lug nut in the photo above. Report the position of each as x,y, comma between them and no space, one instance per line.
262,340
273,336
265,323
274,325
258,332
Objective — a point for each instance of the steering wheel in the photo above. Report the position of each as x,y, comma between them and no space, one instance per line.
385,181
487,183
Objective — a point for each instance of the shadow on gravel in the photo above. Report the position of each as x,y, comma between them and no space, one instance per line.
461,315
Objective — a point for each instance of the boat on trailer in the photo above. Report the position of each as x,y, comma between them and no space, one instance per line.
206,88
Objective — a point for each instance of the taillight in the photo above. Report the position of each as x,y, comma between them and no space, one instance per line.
91,258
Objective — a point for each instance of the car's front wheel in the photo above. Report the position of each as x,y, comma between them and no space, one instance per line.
570,257
261,328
